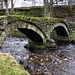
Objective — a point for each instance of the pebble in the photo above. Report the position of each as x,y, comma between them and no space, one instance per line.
31,58
60,61
56,63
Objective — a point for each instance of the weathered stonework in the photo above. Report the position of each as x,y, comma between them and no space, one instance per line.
42,27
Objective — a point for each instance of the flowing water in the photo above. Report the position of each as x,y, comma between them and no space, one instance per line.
45,62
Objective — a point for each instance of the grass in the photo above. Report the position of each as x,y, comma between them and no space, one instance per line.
9,66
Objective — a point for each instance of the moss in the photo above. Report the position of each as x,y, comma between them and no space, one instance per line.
33,19
10,18
55,20
35,47
13,17
40,19
44,46
46,19
35,42
9,66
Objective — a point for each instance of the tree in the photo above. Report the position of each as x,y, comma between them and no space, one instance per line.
48,4
6,5
12,6
70,5
51,4
1,4
45,8
12,9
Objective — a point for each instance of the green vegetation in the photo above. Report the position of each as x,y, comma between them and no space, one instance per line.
28,12
72,36
1,13
12,12
35,45
23,14
9,66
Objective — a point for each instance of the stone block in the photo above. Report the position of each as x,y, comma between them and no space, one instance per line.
3,34
1,41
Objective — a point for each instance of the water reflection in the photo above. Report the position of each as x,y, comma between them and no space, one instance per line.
46,62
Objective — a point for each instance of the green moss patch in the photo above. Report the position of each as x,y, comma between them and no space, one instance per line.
9,66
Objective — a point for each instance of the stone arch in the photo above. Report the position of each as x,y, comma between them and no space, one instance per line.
28,28
61,29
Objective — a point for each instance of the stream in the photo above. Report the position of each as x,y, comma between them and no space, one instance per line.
42,62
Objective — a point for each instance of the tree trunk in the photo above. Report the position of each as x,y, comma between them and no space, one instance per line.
46,8
2,5
6,5
12,9
70,5
51,4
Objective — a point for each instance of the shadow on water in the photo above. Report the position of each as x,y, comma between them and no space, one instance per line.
42,51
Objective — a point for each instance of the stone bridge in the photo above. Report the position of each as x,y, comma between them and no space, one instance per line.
37,29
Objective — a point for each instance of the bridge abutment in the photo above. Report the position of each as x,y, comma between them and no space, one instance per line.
35,45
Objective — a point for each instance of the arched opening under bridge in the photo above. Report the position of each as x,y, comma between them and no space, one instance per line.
59,30
31,34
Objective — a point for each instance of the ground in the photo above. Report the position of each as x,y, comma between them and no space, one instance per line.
9,66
